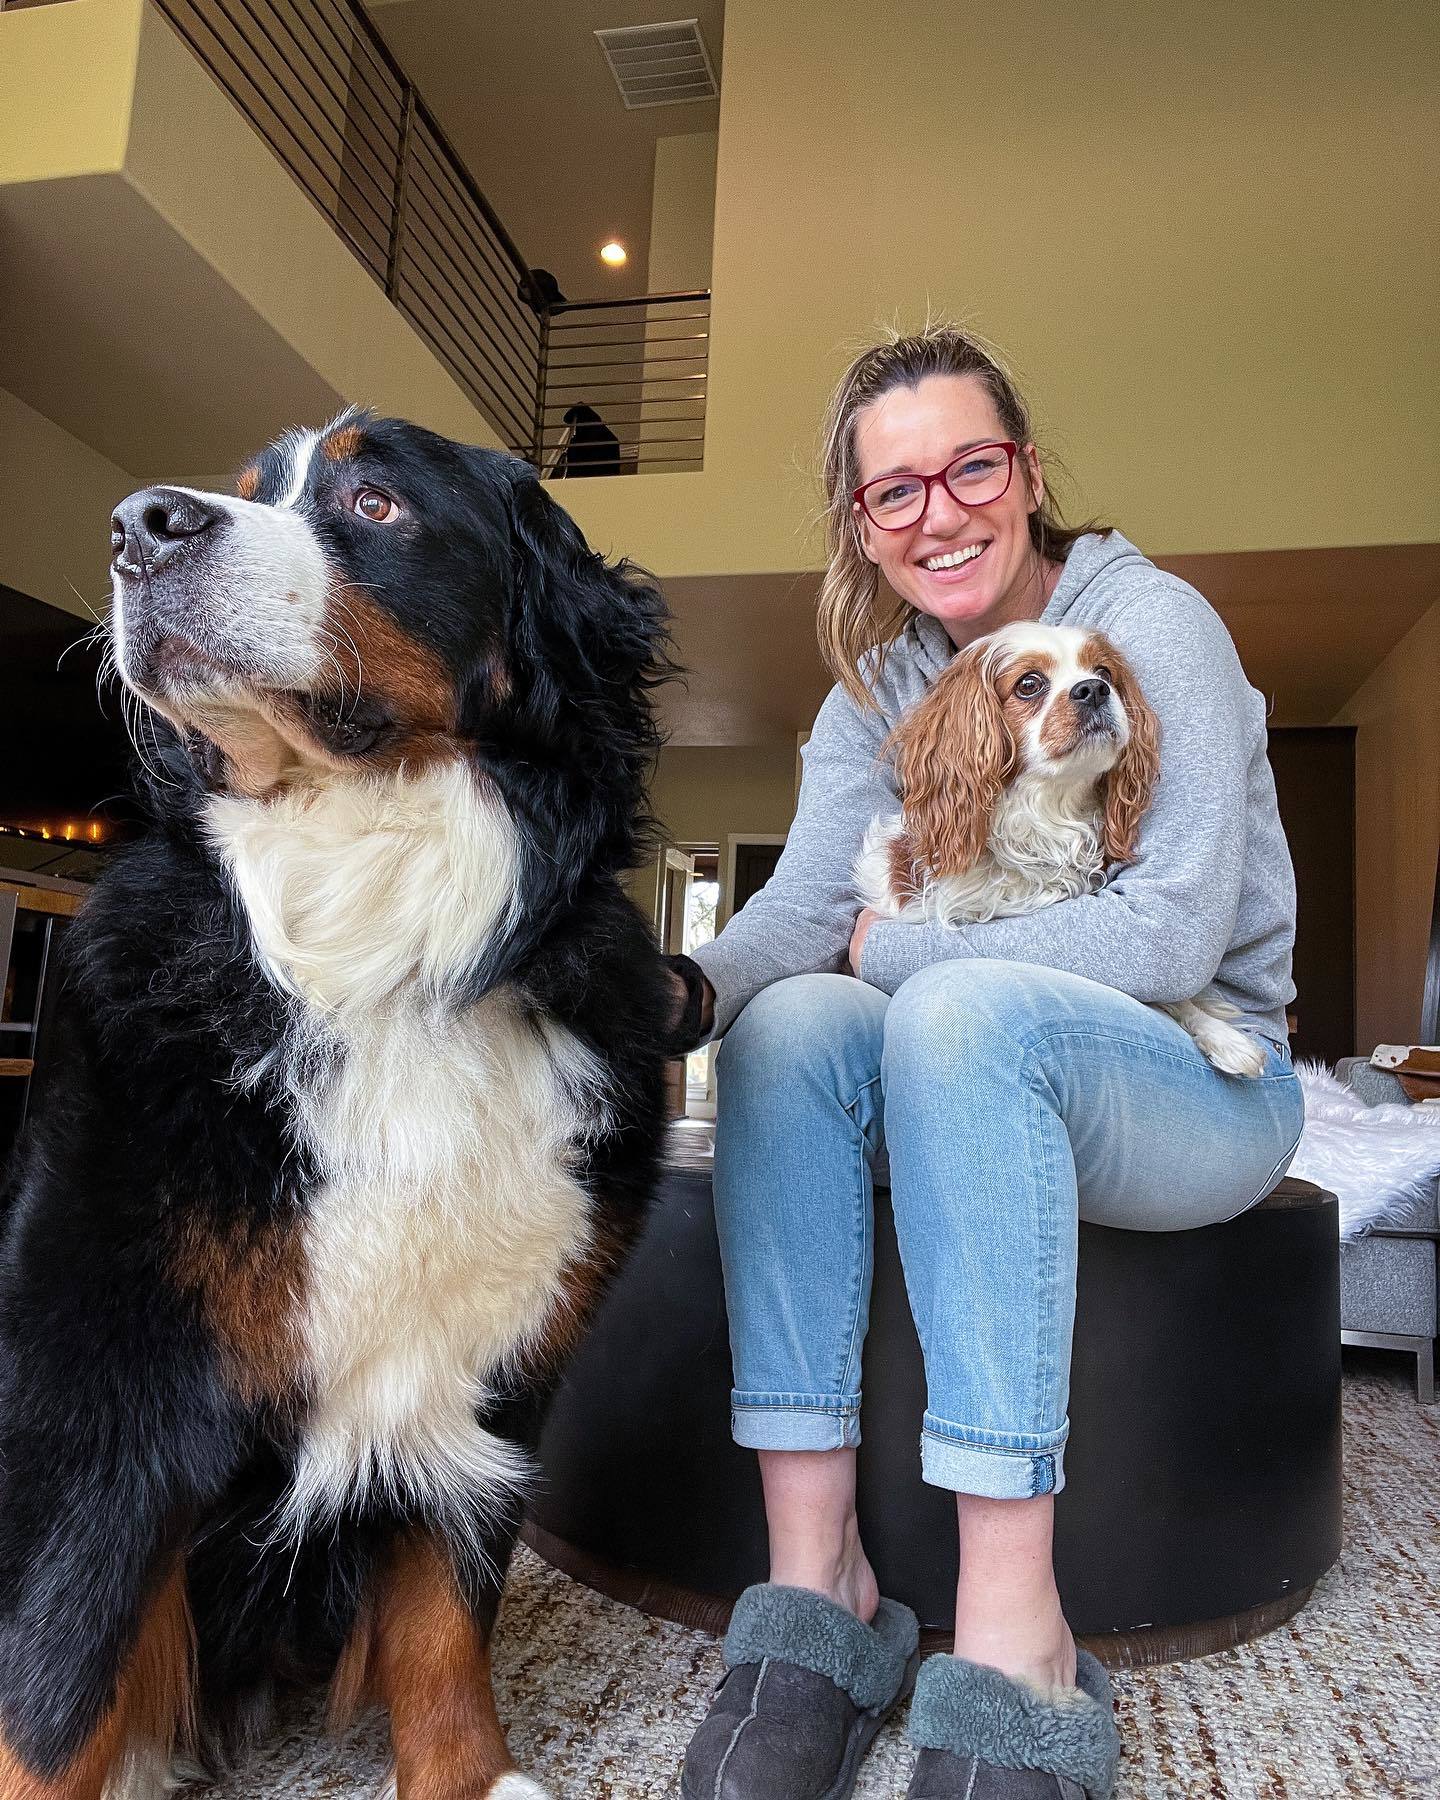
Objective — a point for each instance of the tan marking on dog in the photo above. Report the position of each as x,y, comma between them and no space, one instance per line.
380,659
247,482
582,1286
251,1285
152,1711
430,1665
341,445
904,877
350,1687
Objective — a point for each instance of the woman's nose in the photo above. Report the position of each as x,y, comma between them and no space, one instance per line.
943,512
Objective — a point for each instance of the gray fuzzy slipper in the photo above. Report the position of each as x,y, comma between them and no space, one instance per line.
985,1737
808,1686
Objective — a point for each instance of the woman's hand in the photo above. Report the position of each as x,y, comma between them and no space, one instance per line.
857,938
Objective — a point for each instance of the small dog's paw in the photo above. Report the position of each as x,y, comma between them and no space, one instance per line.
1233,1052
516,1786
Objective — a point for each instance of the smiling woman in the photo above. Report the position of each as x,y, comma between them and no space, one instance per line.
1021,1072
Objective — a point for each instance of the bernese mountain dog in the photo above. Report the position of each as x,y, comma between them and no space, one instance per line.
358,1109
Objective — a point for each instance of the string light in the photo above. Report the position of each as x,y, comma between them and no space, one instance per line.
70,831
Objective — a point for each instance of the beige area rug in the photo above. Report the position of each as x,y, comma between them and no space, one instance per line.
1341,1704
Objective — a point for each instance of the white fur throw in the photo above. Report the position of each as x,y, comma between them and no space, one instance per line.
1376,1159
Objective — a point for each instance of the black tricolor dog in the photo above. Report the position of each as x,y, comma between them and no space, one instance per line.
360,1109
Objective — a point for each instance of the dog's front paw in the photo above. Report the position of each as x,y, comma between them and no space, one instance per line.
1233,1052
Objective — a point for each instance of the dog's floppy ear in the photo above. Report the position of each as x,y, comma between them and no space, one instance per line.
953,755
582,626
1130,784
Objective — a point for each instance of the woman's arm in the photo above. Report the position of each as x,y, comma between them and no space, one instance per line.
801,920
1161,927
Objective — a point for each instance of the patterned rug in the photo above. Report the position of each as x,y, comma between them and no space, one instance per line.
1341,1704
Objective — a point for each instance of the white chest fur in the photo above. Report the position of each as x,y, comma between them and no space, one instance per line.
1043,846
448,1212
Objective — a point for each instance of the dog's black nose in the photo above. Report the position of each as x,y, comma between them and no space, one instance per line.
149,527
1091,693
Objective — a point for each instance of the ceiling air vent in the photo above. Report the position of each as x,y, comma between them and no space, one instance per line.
659,65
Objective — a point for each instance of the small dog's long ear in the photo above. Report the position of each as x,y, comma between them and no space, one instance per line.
953,755
1131,783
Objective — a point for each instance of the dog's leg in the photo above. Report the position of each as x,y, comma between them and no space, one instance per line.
425,1646
150,1708
105,1462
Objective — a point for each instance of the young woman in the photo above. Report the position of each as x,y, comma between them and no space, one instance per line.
1014,1073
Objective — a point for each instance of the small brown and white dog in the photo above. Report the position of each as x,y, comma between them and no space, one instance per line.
1024,773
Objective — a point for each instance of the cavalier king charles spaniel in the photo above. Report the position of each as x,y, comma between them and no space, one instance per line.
1025,772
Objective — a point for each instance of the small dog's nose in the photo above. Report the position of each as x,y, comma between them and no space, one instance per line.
149,527
1092,692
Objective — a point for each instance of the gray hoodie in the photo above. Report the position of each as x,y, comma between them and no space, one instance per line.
1209,900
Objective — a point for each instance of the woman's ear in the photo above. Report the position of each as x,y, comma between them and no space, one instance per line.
953,755
1033,474
1131,783
862,531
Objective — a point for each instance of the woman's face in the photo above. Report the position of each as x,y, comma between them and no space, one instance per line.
917,431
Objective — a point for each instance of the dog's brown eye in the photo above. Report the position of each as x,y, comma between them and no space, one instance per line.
1028,686
1105,675
379,508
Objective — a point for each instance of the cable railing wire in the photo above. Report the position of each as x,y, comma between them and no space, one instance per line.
579,387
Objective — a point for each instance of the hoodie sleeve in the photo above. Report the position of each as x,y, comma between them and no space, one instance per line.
801,921
1159,929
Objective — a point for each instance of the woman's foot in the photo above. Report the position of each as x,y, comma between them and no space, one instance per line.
983,1736
808,1686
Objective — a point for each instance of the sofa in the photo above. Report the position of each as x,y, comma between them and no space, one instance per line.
1388,1278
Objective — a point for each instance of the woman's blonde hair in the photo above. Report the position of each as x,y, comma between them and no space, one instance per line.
854,617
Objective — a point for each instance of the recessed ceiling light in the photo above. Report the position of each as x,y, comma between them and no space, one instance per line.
614,254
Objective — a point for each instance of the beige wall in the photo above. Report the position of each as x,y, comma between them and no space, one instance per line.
682,212
202,167
1198,232
1397,832
65,78
59,494
704,796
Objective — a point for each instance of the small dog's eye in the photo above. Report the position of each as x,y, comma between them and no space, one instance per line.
1105,675
379,508
1028,686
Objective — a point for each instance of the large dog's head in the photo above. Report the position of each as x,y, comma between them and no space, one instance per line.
375,596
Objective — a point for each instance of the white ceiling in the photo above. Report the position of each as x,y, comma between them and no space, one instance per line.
527,99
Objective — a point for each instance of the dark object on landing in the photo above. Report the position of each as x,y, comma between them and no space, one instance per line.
540,292
592,448
1203,1471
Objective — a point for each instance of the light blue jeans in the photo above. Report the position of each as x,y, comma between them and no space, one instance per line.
1013,1101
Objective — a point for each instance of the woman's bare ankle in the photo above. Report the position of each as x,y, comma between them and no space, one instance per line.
1038,1650
814,1533
849,1581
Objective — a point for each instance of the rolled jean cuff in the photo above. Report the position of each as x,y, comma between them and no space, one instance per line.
795,1421
973,1462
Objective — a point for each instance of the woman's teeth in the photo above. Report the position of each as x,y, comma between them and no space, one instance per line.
952,558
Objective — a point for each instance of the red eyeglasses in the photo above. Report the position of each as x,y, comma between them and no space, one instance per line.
977,477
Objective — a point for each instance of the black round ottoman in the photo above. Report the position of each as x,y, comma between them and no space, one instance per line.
1202,1496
